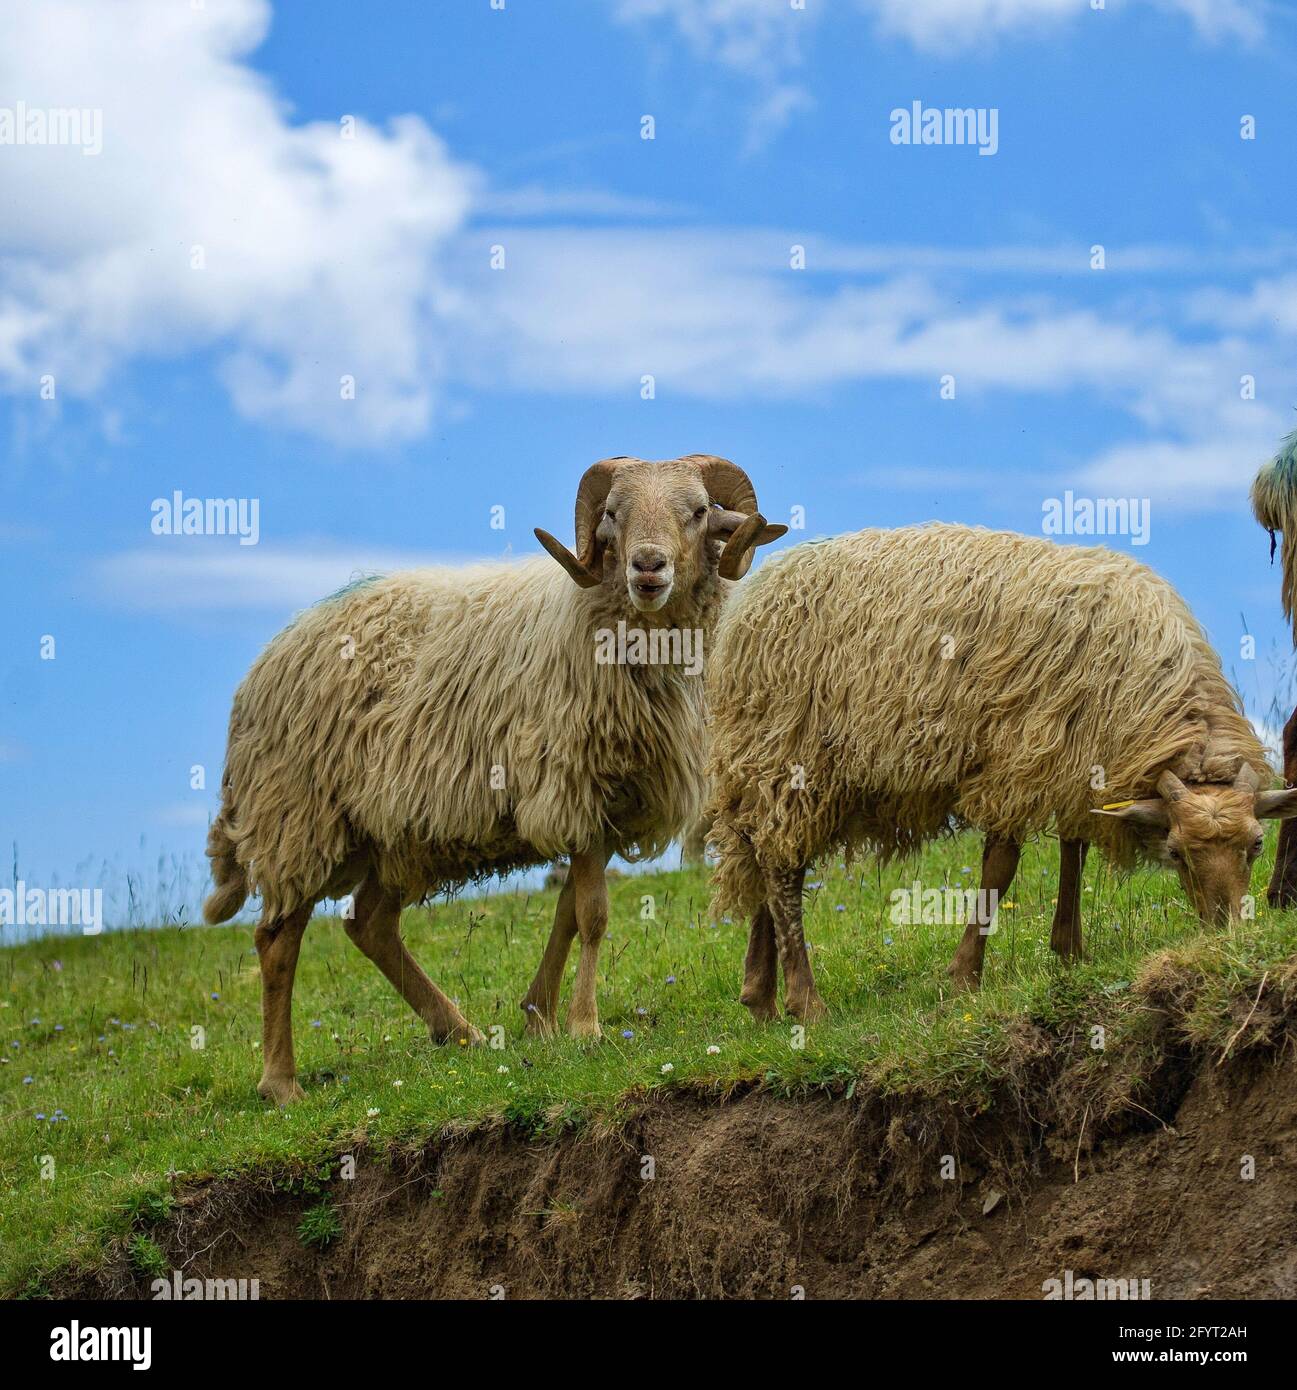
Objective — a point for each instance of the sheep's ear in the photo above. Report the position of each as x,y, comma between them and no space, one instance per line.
584,577
1141,815
1278,805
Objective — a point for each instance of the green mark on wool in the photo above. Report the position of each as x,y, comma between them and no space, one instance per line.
358,581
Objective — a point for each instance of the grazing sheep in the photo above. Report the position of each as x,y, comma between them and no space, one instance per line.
437,726
867,690
1274,503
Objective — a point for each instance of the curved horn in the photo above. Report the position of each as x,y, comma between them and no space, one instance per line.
584,577
1246,780
1170,787
728,485
591,494
737,555
586,565
1150,814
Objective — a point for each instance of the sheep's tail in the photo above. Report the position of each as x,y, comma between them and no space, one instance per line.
738,887
227,873
1274,503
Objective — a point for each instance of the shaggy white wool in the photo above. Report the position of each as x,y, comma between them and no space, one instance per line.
865,690
444,725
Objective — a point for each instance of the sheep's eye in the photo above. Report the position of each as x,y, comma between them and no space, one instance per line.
1176,856
610,516
700,513
1258,844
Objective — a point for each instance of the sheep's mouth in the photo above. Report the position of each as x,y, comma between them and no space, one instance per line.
650,593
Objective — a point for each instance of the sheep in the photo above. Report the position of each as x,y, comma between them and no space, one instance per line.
419,731
1274,504
872,689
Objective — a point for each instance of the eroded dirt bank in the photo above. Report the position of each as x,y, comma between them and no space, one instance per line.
1111,1170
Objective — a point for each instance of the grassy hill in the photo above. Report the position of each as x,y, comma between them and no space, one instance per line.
131,1059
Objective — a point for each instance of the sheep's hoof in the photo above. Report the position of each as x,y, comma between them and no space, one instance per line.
283,1090
540,1025
962,980
461,1034
763,1010
808,1009
584,1027
1066,950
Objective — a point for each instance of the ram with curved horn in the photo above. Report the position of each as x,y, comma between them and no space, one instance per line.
476,726
940,674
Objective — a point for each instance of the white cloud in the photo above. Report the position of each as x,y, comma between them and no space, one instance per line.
947,26
328,257
1182,474
717,315
321,252
720,316
760,37
766,40
187,574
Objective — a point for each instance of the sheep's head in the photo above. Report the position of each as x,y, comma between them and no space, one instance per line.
1209,834
654,529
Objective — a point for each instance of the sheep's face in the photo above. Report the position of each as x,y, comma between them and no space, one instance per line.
1212,840
653,530
1210,835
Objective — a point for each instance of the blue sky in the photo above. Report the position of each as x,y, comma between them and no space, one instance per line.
370,257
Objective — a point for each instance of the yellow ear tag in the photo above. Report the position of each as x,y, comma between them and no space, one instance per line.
1117,805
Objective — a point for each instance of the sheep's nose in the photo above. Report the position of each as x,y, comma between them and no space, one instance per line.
648,564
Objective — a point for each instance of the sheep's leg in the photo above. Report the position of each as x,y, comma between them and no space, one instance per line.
999,864
278,942
590,902
784,896
761,969
1282,891
541,1001
376,929
1065,936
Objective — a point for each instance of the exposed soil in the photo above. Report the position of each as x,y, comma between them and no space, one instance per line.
1116,1169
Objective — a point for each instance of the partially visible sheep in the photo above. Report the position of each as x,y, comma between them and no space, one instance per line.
865,690
1274,504
439,726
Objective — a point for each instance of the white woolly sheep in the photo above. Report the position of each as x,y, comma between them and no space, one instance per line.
437,726
871,690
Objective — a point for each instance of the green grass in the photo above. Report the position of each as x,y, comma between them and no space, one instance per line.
105,1028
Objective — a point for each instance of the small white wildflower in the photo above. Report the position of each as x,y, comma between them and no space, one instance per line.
713,1050
667,1067
398,1084
372,1111
501,1070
